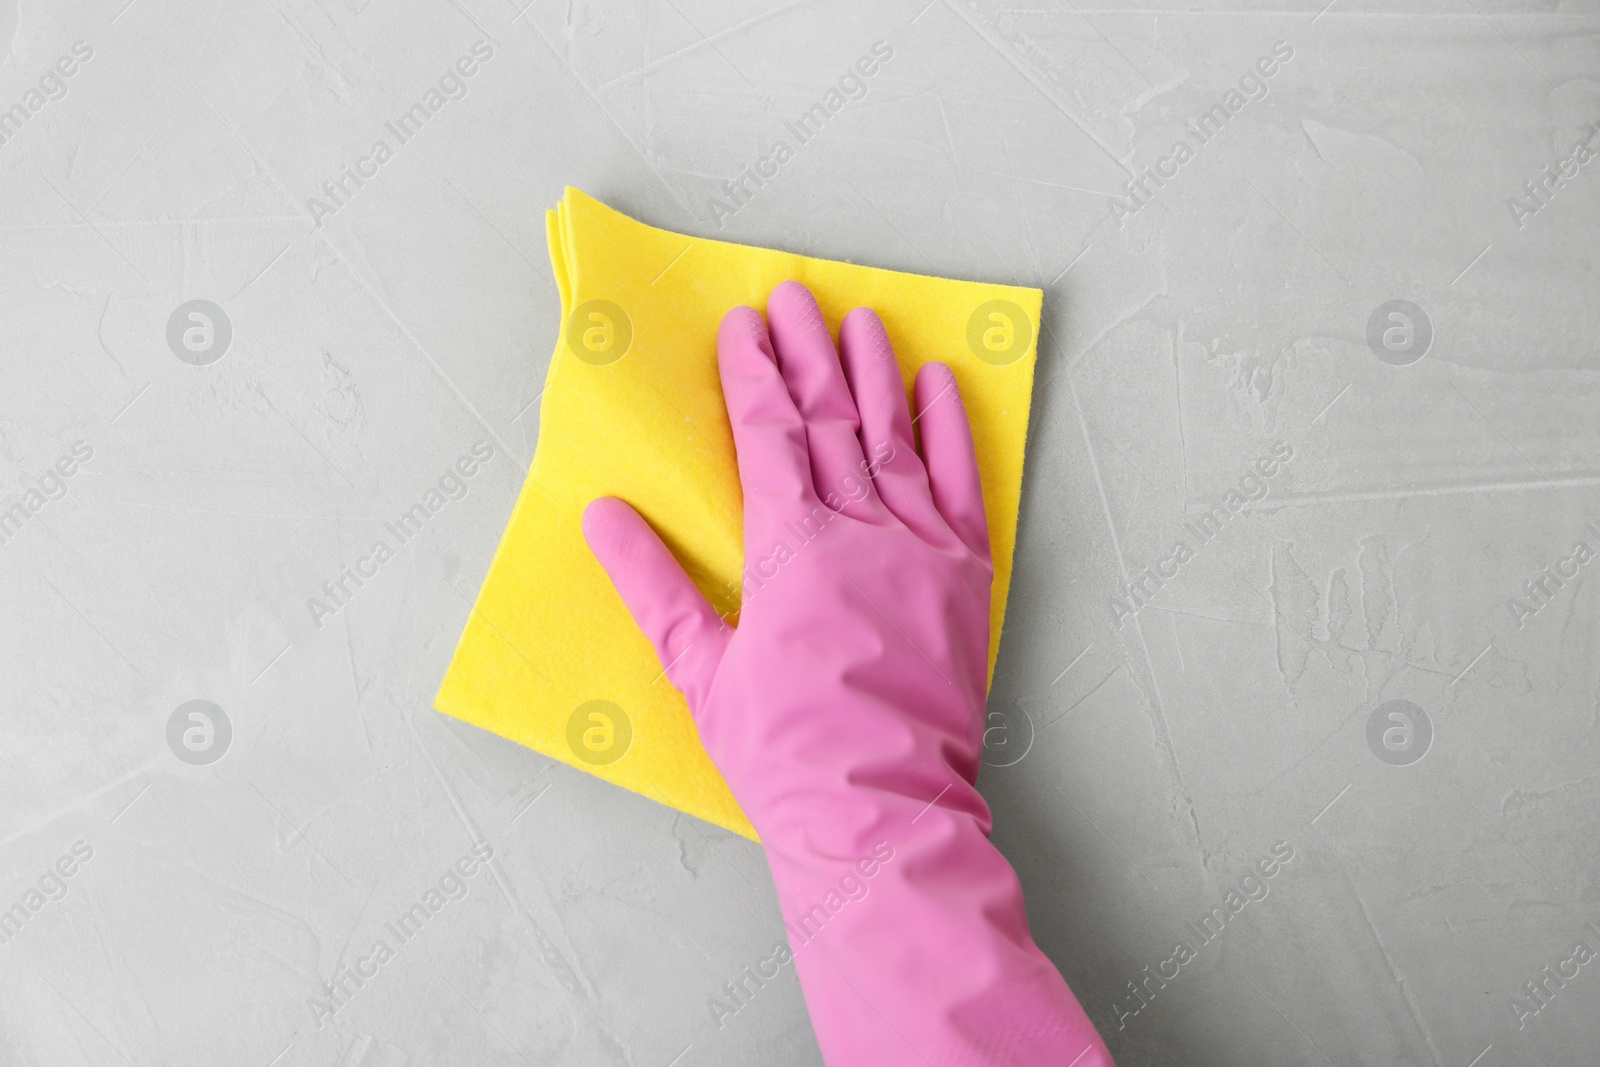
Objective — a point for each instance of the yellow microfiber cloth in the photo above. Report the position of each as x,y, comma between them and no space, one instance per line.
633,408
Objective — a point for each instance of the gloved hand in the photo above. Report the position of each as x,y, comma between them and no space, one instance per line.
846,708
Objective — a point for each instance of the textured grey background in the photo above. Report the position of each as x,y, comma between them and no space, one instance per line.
1168,754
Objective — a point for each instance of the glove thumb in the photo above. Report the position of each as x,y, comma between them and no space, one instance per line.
688,635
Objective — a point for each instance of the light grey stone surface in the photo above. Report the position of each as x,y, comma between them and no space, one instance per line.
1161,756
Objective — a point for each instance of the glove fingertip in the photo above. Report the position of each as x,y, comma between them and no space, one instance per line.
743,325
603,523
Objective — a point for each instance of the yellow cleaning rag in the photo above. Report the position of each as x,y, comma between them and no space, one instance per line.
632,408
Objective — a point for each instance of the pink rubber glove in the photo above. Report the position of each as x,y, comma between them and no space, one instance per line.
846,709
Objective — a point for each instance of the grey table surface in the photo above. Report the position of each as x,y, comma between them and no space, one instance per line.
1383,664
